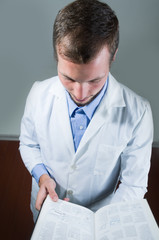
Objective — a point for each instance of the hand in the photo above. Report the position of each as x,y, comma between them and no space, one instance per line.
47,186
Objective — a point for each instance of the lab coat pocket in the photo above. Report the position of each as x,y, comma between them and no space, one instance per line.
107,158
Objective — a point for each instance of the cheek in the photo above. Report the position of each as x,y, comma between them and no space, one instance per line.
67,85
96,88
64,83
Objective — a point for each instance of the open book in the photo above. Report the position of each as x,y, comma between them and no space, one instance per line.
67,221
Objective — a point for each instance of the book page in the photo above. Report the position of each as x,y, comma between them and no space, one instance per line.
127,220
64,220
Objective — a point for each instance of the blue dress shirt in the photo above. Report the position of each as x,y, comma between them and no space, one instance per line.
80,117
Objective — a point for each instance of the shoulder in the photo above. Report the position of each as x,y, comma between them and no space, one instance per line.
46,85
133,107
44,92
133,101
45,88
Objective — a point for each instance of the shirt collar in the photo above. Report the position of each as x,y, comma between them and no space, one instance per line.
91,107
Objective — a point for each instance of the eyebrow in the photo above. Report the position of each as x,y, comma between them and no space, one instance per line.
91,80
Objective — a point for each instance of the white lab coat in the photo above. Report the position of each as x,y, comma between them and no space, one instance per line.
116,144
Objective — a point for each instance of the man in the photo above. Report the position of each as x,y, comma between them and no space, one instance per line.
82,132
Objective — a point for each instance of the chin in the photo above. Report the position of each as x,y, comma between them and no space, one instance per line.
81,104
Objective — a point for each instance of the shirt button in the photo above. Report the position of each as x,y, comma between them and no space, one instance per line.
69,192
81,127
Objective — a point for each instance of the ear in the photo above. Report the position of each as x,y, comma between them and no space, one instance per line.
114,57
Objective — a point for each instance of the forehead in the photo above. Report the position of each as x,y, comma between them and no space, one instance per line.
103,53
96,68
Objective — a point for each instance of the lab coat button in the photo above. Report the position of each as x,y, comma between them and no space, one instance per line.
73,167
81,127
69,192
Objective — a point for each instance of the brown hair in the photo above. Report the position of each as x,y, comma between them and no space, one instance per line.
83,28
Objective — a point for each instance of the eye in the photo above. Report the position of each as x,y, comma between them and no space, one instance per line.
95,81
69,79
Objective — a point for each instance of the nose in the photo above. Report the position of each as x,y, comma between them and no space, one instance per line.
80,91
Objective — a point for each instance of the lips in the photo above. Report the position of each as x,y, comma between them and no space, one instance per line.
80,100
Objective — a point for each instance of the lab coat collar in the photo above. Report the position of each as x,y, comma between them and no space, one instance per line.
112,99
57,88
114,95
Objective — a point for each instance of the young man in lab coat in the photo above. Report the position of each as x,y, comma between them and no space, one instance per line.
82,131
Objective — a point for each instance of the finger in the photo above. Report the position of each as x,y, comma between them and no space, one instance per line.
42,194
53,195
66,199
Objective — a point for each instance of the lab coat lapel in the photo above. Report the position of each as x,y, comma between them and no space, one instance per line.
62,118
112,99
96,123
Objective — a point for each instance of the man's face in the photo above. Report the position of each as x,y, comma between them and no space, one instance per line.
84,81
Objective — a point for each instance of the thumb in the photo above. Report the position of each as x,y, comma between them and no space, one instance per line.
52,193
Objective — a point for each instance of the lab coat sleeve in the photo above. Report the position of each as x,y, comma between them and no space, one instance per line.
135,160
29,147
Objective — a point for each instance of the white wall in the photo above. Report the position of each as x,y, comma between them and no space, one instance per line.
26,53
